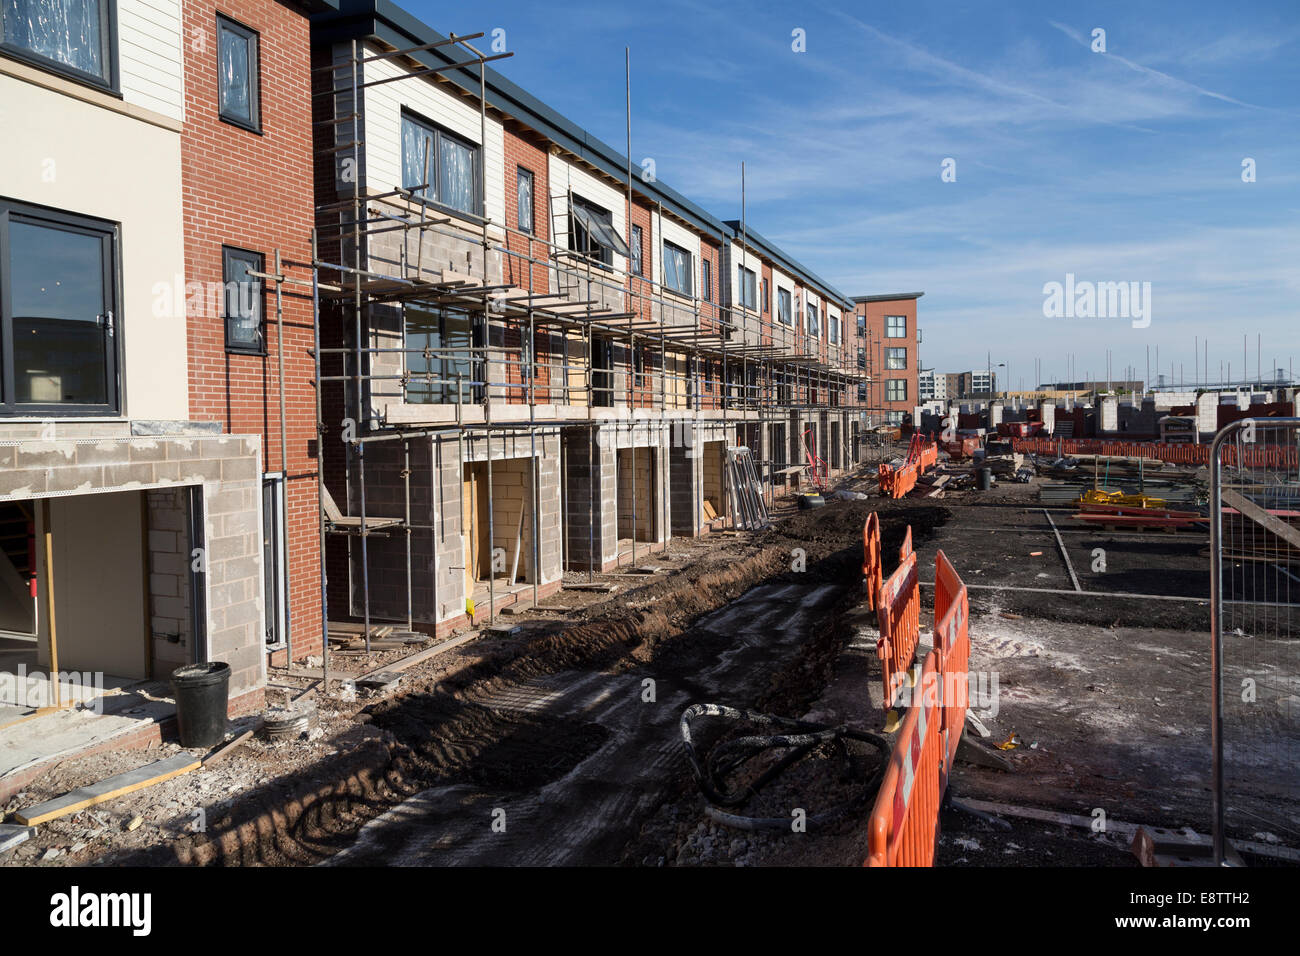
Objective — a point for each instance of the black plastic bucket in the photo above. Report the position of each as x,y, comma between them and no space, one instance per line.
984,479
202,696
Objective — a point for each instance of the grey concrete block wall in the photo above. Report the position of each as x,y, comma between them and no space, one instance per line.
228,468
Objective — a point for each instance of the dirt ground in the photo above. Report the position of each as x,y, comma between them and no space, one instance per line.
559,743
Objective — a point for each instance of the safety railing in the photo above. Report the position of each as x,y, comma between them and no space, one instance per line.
904,824
952,650
872,571
1260,456
898,610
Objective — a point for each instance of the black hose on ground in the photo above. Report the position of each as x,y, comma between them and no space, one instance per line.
803,737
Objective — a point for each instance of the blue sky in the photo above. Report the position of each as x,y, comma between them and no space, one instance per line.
1116,166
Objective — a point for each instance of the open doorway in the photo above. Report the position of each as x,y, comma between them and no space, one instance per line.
497,529
637,496
713,484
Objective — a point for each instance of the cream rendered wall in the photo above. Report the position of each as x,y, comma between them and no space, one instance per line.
71,155
149,55
436,102
563,176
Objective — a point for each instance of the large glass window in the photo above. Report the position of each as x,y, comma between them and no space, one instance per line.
73,37
677,269
451,164
237,74
748,290
58,281
446,338
895,358
896,390
814,322
524,196
833,329
783,310
896,326
245,315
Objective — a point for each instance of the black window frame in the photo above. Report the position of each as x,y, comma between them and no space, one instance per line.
599,254
890,358
109,83
689,271
110,234
520,173
435,178
765,295
229,253
895,335
889,388
254,39
785,307
706,279
636,245
747,302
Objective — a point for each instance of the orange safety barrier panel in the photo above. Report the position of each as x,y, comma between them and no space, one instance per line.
894,483
904,824
898,611
952,650
1262,456
872,570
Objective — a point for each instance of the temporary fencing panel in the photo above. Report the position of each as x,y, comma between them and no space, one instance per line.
904,825
952,650
1255,601
872,572
1258,455
899,614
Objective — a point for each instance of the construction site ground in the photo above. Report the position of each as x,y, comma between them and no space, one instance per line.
558,743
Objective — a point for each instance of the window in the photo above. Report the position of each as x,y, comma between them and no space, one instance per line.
244,300
274,559
524,199
814,323
748,297
237,79
432,376
896,390
895,358
59,281
833,330
706,280
894,418
74,37
862,393
862,326
783,311
895,326
592,233
638,252
862,357
766,301
677,269
452,165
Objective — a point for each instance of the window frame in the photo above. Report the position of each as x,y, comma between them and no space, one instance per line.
637,247
598,253
522,172
890,384
890,359
229,254
706,279
688,272
785,315
750,302
253,125
889,324
110,235
476,161
765,299
108,39
812,321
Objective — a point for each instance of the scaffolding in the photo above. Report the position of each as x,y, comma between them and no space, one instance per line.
516,283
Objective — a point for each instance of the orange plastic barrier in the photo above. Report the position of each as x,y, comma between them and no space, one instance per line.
898,610
894,483
904,825
872,570
952,651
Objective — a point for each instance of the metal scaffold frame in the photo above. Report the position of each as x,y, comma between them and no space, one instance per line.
586,303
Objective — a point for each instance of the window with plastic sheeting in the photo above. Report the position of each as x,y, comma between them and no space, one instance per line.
895,359
677,269
74,37
784,313
237,75
814,321
748,295
524,198
638,253
592,233
244,300
706,280
439,166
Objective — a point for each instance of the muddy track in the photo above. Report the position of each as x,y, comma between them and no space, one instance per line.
514,724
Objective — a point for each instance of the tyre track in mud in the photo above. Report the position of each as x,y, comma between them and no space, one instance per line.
557,734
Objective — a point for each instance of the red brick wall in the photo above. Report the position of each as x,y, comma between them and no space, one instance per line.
876,343
255,192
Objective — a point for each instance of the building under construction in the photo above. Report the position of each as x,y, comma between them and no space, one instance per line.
515,380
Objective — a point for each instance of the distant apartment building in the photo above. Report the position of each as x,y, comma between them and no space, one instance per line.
887,345
975,384
932,386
